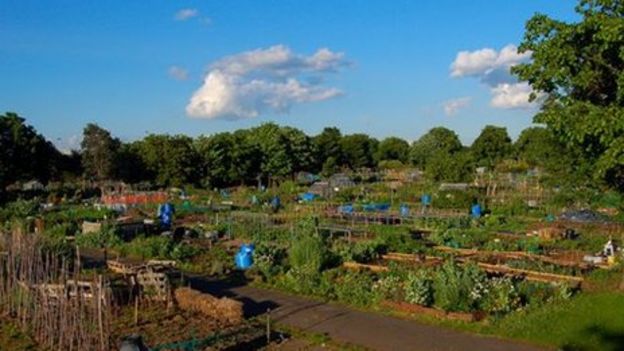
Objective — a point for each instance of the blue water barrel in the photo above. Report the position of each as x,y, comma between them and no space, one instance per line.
425,199
475,211
276,202
404,209
244,256
308,197
165,214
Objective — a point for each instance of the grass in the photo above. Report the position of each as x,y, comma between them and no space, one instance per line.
586,322
11,338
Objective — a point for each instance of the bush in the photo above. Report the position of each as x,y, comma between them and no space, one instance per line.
267,259
308,255
105,238
457,288
389,287
355,288
501,297
419,288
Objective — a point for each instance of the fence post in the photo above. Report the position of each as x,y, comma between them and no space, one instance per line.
268,326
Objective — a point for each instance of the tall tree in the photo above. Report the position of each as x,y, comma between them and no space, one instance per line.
359,150
491,146
436,140
393,148
578,72
26,154
99,152
329,150
171,159
537,146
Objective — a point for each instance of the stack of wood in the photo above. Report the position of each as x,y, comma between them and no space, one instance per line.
224,310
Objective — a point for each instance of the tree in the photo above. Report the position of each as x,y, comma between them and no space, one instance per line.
328,146
393,148
577,72
26,154
172,160
450,167
359,150
99,152
273,143
436,140
537,146
491,146
129,165
301,149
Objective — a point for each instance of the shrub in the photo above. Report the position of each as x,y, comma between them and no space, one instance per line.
355,288
105,238
308,255
419,288
501,297
458,289
389,287
267,259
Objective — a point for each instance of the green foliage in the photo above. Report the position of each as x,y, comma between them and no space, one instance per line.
171,160
359,150
362,251
19,209
26,155
501,296
393,149
419,288
105,238
577,71
268,259
356,288
491,146
389,287
308,255
458,288
99,152
538,146
455,167
437,141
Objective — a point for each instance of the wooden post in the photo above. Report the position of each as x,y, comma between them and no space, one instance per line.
99,305
268,326
136,310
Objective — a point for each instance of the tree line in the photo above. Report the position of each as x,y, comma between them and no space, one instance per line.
266,152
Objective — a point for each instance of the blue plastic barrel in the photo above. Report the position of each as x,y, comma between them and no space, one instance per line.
475,211
165,214
404,209
425,199
244,256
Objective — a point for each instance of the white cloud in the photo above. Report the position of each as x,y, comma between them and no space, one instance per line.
451,107
493,69
264,80
514,95
178,73
185,14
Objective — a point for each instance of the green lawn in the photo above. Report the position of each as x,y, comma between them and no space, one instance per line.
586,322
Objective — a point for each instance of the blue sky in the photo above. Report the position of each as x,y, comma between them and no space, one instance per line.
379,67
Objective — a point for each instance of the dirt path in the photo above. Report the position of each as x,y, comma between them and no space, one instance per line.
371,330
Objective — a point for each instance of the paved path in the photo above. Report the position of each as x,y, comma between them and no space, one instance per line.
371,330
